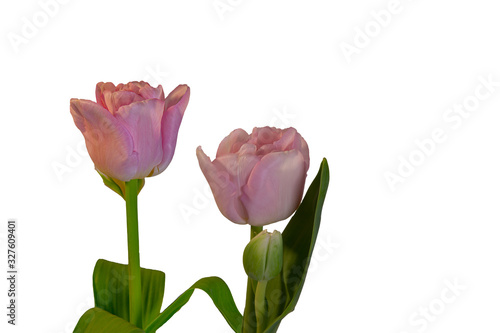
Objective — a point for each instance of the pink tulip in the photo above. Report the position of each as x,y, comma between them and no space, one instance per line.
131,131
259,178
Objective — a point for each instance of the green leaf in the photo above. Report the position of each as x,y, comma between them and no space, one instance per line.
111,290
218,290
98,320
299,238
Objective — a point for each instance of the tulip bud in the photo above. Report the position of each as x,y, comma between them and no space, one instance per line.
263,256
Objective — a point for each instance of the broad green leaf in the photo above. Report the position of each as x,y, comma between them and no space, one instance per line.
97,320
299,238
111,291
218,290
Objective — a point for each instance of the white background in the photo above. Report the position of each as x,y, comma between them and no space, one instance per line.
382,255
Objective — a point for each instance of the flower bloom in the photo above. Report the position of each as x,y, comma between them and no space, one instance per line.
131,131
259,178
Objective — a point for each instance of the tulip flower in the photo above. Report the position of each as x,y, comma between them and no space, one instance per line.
131,131
258,179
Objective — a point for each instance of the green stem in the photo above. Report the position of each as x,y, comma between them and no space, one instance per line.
249,324
254,231
134,267
261,305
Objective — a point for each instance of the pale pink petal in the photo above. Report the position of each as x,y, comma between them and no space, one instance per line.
232,143
109,144
266,149
171,122
275,186
175,105
224,190
133,86
108,99
147,92
238,166
247,148
265,135
303,148
291,139
177,95
288,140
143,121
100,88
122,97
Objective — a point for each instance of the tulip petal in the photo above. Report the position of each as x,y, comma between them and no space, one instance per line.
143,122
131,86
287,140
304,150
148,92
175,105
275,186
109,144
291,139
121,98
180,95
226,193
238,166
233,142
100,88
265,135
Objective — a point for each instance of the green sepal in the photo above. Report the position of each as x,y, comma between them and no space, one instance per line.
97,320
111,290
118,185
